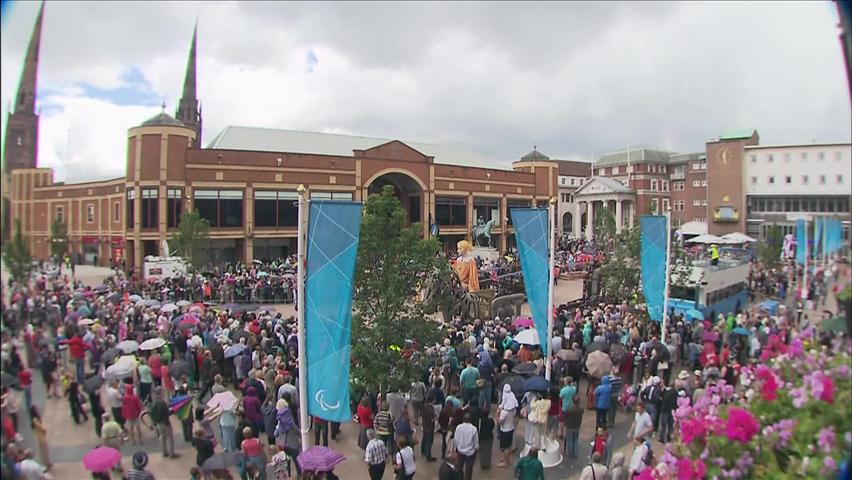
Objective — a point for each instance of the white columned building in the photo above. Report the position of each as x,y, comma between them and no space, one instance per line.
599,192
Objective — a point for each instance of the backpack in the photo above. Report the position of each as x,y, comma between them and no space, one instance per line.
648,459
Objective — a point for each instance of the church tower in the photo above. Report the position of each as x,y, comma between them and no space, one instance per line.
22,122
188,110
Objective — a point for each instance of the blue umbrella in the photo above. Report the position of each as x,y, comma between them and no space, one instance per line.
536,384
694,315
770,306
84,310
234,350
740,331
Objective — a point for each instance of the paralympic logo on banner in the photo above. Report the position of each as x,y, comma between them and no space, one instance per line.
333,234
653,263
531,231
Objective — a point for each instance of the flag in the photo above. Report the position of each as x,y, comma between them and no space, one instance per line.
653,263
801,241
531,232
332,243
818,233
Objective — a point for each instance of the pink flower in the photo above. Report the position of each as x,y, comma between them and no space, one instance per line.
742,425
647,474
827,394
692,428
829,466
770,387
826,439
796,348
687,470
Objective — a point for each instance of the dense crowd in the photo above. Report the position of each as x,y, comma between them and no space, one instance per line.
130,355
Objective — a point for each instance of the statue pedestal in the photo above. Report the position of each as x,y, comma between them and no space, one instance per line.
486,253
549,454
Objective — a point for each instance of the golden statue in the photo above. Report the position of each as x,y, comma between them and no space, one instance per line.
465,266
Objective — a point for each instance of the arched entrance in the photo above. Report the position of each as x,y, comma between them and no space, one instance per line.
408,190
567,222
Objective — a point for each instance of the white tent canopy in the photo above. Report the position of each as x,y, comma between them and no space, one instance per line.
693,228
707,239
737,238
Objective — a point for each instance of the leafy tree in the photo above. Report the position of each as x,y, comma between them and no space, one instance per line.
16,255
769,252
621,274
191,237
604,225
392,261
58,239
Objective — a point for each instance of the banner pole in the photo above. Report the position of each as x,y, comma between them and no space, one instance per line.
805,269
552,266
300,292
668,274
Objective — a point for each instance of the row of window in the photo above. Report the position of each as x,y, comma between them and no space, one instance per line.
699,202
661,185
724,293
839,204
90,212
806,179
572,181
702,165
803,156
651,168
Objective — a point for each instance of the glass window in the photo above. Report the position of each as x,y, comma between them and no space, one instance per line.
514,203
788,179
696,183
703,183
787,157
222,208
754,180
805,156
771,180
131,197
60,213
451,211
174,206
90,213
116,212
838,154
804,179
615,170
822,179
788,205
150,210
276,208
487,209
655,206
601,171
653,185
840,179
696,202
821,156
771,158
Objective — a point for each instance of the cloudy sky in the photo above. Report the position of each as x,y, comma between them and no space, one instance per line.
576,79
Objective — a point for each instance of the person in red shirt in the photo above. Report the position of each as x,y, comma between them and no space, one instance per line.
77,349
131,409
25,379
154,364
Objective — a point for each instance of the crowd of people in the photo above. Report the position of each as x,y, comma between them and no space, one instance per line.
128,354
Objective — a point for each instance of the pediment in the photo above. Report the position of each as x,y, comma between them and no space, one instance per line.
602,186
394,150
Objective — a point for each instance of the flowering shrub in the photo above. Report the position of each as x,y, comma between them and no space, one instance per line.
788,419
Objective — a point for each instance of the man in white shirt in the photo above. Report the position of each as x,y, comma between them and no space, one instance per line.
642,423
115,401
637,461
466,440
595,470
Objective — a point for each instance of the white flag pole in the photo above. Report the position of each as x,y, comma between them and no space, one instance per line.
304,424
551,212
668,274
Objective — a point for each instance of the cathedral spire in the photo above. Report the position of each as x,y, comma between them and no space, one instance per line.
26,98
188,110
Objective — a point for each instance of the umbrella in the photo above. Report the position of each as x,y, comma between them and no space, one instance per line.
101,459
523,322
178,401
740,331
835,324
197,306
525,368
88,294
710,337
662,349
195,341
189,320
515,382
114,297
222,461
257,262
8,380
134,298
93,383
771,306
694,315
602,346
238,334
84,310
737,238
319,459
598,364
151,303
528,337
707,239
101,288
152,344
617,353
118,372
183,303
262,274
179,368
108,356
225,400
536,384
168,308
234,350
85,322
128,346
140,302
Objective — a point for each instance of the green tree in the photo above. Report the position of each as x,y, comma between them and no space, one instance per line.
191,238
16,255
604,225
58,239
392,261
621,274
769,252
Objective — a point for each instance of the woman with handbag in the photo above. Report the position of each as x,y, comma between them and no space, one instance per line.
404,460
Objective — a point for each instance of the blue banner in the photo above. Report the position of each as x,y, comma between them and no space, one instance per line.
531,234
801,241
332,248
653,262
818,233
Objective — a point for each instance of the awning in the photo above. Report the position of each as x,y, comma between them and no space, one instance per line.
117,240
707,239
693,228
